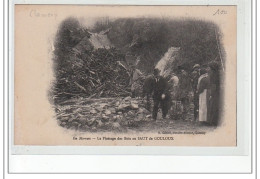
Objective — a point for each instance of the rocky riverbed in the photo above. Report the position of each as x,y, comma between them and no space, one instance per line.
118,115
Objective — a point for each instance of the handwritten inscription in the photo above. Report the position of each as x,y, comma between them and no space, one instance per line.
36,13
220,12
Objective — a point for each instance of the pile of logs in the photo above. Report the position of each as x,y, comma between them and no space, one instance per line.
99,73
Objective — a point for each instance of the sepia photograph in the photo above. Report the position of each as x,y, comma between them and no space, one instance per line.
125,75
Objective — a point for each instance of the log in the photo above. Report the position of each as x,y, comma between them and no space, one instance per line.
81,87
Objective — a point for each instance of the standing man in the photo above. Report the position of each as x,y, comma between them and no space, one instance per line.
148,88
160,95
184,89
214,93
194,83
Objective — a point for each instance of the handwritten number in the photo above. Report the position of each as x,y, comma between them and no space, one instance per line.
220,12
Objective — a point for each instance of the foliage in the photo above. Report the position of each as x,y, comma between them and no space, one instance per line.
151,38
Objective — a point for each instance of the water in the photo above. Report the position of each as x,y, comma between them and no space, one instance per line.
165,63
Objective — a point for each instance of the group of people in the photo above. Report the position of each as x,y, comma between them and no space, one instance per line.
174,95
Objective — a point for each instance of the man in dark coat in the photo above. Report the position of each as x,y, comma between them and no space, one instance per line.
160,94
148,88
214,92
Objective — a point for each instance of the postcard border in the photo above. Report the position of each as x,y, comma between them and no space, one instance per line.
9,89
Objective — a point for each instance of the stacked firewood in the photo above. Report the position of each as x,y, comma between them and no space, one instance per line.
99,73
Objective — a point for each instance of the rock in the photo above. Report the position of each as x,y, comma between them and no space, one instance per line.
119,117
102,105
100,109
117,103
114,118
128,98
77,110
113,110
139,117
145,111
134,106
80,115
83,128
116,125
100,123
83,120
86,108
64,119
134,101
104,118
119,112
130,114
93,111
140,110
72,127
86,112
148,116
63,124
75,124
131,123
122,107
107,112
91,120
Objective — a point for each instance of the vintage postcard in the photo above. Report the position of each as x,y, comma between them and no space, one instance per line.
110,75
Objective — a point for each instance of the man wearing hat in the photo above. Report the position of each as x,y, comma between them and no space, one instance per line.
214,92
161,95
